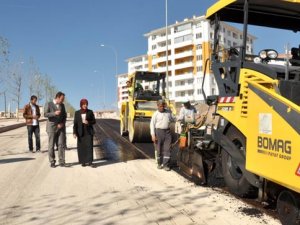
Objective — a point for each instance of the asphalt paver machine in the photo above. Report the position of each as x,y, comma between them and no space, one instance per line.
253,141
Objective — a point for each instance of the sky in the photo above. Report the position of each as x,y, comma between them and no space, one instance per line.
64,38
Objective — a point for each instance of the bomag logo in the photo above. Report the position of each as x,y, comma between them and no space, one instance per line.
274,147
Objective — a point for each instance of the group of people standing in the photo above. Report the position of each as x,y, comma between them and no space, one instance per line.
83,130
56,115
161,132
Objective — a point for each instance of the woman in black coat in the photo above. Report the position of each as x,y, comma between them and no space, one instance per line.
84,132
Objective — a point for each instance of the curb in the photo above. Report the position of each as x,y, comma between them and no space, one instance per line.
15,126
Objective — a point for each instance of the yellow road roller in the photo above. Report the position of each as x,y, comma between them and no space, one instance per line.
144,90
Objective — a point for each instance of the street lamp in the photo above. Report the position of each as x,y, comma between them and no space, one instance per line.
116,57
167,52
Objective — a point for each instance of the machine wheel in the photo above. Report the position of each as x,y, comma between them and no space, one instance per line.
288,207
140,131
233,175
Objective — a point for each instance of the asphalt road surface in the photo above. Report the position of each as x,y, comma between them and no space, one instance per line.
125,188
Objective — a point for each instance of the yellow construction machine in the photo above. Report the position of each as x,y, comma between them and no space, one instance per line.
255,143
145,89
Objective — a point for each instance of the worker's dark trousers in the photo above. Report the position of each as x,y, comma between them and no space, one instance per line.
164,139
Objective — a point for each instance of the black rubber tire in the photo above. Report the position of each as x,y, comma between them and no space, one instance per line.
288,207
234,179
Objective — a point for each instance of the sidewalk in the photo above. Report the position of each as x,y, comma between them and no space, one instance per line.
7,124
11,123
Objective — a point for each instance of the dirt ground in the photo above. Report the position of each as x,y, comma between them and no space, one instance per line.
132,192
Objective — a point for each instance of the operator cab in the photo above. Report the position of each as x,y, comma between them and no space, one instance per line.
149,86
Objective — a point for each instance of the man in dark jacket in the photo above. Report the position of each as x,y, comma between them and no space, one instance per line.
56,113
31,113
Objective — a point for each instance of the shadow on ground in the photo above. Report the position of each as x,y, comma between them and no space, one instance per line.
13,160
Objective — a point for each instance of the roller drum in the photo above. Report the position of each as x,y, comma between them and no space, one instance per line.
141,131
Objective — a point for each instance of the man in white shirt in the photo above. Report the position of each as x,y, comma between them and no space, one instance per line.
161,134
31,113
187,113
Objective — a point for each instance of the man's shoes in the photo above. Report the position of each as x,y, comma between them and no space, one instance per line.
31,151
160,167
83,165
52,165
38,150
167,168
62,164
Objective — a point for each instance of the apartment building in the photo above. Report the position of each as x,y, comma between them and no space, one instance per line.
189,45
138,63
122,88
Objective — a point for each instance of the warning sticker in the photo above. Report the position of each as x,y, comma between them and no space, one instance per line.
298,171
265,123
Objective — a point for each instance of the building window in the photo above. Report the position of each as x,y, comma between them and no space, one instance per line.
213,91
199,57
183,38
211,35
199,47
199,68
199,91
190,93
229,33
199,35
183,27
153,37
190,81
182,93
234,35
153,47
198,25
229,43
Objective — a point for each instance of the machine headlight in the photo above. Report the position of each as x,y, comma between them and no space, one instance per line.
263,54
272,54
268,54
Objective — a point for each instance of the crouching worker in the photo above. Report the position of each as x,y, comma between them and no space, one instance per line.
161,134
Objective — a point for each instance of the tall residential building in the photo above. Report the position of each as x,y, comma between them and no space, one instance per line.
189,45
122,89
138,63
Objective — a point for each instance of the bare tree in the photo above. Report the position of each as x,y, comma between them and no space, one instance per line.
47,87
35,80
15,80
4,61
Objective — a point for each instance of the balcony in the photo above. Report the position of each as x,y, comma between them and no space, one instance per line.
185,87
183,65
160,59
182,33
184,76
184,54
183,43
